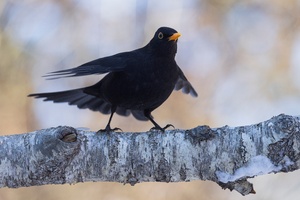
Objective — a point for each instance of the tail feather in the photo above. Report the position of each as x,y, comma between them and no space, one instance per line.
105,108
139,115
83,100
78,101
76,97
122,111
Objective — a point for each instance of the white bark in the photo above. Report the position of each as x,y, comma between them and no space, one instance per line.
226,155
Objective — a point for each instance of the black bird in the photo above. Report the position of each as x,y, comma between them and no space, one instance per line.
137,82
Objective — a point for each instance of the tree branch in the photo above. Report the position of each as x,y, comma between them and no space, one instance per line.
226,155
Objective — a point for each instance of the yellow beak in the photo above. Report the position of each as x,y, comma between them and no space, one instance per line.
174,37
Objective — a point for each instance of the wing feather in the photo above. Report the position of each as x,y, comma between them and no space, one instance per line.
184,85
104,65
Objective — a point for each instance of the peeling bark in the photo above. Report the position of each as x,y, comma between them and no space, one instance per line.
226,155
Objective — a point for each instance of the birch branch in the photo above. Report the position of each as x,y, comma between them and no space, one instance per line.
225,155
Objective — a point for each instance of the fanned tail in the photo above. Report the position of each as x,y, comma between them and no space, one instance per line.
83,100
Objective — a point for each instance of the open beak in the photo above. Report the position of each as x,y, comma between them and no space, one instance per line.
174,37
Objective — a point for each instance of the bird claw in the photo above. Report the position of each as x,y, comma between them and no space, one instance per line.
160,128
169,125
108,129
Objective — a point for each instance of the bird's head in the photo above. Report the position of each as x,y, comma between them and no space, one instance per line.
164,41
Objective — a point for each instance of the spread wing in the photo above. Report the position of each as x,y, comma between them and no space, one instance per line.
184,85
99,66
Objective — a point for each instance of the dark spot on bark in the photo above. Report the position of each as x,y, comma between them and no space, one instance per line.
79,177
131,179
113,152
286,124
182,172
281,149
242,186
199,134
163,171
67,134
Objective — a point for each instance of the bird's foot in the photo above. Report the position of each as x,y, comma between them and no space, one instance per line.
168,125
108,129
160,128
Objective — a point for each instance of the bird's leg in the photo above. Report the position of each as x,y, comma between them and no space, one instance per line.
108,128
156,126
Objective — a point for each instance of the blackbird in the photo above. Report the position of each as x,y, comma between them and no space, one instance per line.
137,82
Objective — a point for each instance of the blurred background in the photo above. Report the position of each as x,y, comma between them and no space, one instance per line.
243,58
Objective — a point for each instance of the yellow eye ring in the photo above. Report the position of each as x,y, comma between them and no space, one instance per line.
160,35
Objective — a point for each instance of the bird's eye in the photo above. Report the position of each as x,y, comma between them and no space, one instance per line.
160,35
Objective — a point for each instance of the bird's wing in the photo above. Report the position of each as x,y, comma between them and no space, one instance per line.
184,85
99,66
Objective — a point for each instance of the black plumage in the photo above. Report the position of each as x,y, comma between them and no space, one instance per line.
137,82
